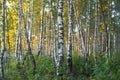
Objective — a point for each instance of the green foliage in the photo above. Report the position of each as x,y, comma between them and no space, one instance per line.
105,69
45,68
10,71
79,69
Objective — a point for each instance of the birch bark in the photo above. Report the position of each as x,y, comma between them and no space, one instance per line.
2,39
60,37
53,36
18,54
70,27
29,52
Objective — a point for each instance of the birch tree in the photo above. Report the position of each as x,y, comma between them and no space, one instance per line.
18,39
60,37
2,39
70,27
87,33
28,40
53,35
7,41
40,51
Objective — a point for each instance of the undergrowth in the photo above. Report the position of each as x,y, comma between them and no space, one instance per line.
105,69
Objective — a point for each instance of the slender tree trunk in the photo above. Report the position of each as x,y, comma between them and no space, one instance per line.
29,52
109,28
101,43
40,51
82,52
2,40
47,25
114,42
87,34
8,42
53,36
18,54
31,19
95,31
60,37
109,43
103,33
70,31
105,46
98,30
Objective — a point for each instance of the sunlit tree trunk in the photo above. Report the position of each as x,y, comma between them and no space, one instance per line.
2,40
31,18
60,37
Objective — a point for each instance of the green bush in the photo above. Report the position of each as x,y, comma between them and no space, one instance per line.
107,68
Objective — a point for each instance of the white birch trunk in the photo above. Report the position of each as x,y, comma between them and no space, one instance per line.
2,39
70,27
31,18
60,37
29,52
18,37
53,36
